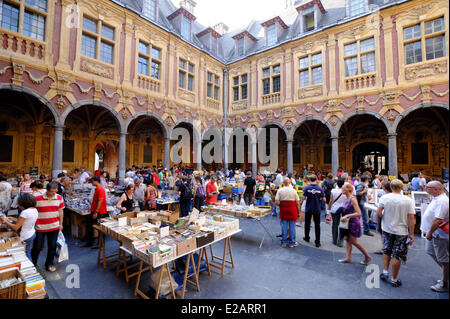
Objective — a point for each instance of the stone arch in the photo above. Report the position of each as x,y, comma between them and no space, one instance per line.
251,135
277,124
419,106
152,115
214,127
364,112
291,134
42,99
68,110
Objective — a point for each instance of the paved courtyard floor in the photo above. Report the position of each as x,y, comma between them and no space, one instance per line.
263,273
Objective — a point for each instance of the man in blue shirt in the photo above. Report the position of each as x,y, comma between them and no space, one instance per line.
313,194
419,183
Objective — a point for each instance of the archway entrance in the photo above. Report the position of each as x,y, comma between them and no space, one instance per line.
371,155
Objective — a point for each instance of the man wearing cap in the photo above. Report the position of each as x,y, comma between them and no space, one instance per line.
98,211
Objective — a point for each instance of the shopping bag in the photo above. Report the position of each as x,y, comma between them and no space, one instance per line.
165,281
15,202
242,203
328,217
62,250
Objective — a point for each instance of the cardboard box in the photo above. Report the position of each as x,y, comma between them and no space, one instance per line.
14,240
16,291
186,246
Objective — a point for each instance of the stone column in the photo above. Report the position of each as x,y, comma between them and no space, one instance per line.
198,155
57,151
225,150
167,153
290,157
254,159
393,164
388,27
122,156
331,66
334,155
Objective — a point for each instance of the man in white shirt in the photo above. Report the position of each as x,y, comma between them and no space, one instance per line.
397,224
84,176
139,193
437,240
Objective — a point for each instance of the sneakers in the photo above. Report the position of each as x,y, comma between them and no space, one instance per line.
440,287
306,239
384,277
318,245
50,268
396,283
293,245
369,233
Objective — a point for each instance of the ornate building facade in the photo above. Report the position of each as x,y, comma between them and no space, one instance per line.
103,83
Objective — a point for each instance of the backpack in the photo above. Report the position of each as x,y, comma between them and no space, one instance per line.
201,191
187,192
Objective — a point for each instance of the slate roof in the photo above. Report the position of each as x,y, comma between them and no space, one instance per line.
335,13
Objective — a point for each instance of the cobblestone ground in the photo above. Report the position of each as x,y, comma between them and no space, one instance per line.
267,272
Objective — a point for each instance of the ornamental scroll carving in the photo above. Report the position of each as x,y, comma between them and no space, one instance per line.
426,70
237,106
307,92
96,69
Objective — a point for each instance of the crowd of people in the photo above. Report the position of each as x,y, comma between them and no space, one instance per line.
342,198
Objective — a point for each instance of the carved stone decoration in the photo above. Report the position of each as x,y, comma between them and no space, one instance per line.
125,114
391,102
333,121
289,125
97,69
304,93
416,13
309,109
97,91
187,96
360,100
169,122
426,90
352,33
241,105
333,109
18,73
269,115
61,85
61,103
426,70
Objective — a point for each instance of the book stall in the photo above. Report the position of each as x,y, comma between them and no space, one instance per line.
255,213
168,200
19,279
160,240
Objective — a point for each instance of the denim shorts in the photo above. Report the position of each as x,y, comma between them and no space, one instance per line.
395,246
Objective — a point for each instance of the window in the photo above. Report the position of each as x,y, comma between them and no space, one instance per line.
271,80
185,28
148,154
310,69
241,46
240,84
271,34
213,86
6,145
309,21
33,21
145,60
357,7
150,9
424,41
186,69
359,57
97,40
68,151
419,153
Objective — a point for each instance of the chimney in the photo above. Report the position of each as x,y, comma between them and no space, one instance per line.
189,5
221,28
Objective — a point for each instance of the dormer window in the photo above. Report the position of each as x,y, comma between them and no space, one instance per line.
356,7
241,46
311,13
271,34
150,9
186,28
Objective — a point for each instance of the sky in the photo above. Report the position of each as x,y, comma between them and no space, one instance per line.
235,13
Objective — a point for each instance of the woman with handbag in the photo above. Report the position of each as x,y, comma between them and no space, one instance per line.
350,227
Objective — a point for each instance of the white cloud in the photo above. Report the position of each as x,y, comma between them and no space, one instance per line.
236,13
